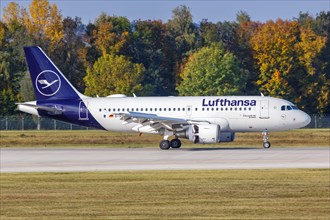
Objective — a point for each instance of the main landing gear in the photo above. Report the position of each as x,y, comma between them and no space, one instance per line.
166,144
265,139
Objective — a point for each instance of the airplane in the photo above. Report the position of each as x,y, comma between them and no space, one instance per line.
200,119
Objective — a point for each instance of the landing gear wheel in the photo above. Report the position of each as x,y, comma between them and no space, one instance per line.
175,143
164,145
267,144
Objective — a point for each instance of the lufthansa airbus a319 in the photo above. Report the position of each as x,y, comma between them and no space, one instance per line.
202,119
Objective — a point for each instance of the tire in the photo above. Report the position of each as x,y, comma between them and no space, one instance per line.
164,145
175,143
267,144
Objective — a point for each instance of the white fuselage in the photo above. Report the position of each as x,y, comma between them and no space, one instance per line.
232,113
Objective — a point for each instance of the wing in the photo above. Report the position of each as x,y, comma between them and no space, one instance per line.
151,123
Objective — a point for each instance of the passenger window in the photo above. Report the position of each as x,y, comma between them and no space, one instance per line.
169,109
183,109
196,109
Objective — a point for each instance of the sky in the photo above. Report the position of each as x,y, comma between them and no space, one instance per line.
212,10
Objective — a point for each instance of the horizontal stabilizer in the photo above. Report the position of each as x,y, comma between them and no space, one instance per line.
53,110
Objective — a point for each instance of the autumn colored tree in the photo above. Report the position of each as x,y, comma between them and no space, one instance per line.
44,24
111,34
211,71
285,55
113,74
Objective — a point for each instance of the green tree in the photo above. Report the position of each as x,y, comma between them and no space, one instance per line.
69,53
154,47
113,74
183,30
211,71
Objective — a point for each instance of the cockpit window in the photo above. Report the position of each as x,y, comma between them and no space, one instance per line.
288,107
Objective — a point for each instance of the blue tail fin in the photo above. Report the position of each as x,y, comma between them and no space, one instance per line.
48,81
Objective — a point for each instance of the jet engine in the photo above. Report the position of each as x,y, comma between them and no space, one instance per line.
206,134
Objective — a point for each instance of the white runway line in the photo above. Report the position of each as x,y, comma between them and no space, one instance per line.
107,159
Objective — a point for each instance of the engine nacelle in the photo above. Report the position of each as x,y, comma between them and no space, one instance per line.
206,134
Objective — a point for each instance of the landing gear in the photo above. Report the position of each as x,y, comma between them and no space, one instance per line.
175,143
265,139
165,144
266,144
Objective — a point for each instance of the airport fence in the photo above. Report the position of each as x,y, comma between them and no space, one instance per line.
28,122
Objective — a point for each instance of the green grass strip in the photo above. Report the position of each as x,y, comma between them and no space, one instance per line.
224,194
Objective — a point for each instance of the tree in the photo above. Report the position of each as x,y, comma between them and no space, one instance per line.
244,52
112,34
211,71
154,47
114,74
44,24
68,55
287,56
183,30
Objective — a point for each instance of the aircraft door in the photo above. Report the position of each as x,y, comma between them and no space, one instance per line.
83,111
264,109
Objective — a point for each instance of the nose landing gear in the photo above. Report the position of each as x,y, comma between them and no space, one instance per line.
265,139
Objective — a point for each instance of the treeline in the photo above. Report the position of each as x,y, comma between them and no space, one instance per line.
283,58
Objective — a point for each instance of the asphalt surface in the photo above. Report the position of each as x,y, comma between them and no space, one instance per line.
106,159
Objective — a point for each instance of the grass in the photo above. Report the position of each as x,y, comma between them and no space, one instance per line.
94,138
231,194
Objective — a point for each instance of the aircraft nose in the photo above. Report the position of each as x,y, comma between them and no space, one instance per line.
304,119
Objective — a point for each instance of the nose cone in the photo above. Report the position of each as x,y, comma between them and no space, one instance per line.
304,119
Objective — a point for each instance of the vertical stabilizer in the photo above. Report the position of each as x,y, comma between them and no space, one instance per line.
48,81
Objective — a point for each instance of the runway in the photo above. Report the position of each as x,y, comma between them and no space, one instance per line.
107,159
